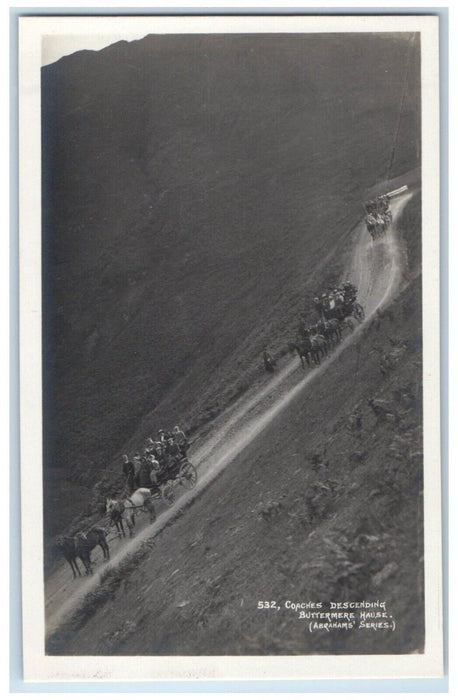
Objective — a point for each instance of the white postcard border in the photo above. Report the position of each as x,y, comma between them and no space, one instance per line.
38,666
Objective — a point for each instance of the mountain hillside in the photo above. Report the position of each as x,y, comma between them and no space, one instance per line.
317,508
196,191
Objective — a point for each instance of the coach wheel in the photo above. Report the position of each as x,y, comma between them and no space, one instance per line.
188,476
168,494
358,312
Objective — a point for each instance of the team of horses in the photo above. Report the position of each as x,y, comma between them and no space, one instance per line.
313,345
378,224
378,216
81,545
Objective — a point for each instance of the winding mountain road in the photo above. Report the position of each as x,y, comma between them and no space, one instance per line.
376,269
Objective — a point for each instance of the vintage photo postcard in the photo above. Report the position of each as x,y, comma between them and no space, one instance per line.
229,347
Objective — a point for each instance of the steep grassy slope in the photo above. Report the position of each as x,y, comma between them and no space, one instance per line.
281,525
194,189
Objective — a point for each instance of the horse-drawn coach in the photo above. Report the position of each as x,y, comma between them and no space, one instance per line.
378,213
181,473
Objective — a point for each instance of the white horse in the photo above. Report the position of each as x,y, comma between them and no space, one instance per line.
141,498
381,224
371,225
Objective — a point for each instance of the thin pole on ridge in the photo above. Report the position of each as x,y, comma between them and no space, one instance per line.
401,107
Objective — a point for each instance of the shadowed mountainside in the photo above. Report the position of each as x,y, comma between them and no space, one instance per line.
194,189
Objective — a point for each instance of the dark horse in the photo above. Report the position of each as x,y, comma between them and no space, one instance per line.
85,543
319,347
117,518
67,548
331,330
306,351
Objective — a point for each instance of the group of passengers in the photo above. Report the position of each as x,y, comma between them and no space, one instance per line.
381,205
337,302
160,457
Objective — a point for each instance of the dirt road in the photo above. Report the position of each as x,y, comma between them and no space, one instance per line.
375,268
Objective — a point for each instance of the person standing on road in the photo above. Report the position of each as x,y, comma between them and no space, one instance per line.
269,362
128,470
137,464
319,307
144,475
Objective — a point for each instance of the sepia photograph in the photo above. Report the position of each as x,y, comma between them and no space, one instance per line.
229,333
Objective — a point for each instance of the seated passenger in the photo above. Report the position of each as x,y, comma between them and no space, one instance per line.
153,463
160,455
350,288
339,296
155,471
149,446
178,433
172,449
